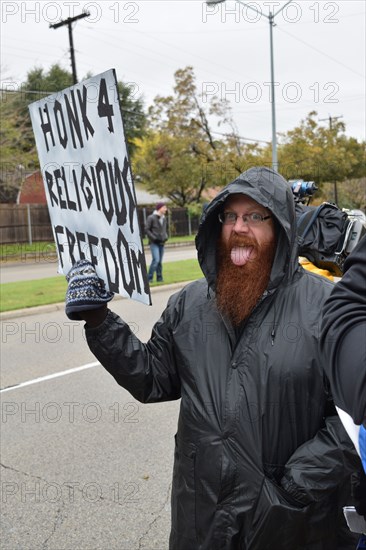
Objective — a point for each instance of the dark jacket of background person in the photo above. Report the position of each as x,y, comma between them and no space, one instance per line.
260,455
156,229
343,340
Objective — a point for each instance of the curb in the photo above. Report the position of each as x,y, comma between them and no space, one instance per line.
48,308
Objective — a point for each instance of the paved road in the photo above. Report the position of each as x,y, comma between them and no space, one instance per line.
47,267
83,464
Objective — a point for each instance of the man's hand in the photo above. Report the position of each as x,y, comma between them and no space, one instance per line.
94,317
86,295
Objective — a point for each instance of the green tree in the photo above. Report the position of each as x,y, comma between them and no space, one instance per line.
134,116
18,153
18,147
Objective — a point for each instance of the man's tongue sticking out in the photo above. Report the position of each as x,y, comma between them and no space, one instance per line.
241,254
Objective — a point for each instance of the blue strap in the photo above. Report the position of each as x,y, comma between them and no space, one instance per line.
362,443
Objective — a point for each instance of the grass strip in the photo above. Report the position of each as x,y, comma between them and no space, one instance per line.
52,290
45,250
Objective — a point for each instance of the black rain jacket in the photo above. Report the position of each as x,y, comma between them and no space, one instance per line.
259,461
343,339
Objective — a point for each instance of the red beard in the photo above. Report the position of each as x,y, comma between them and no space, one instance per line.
239,287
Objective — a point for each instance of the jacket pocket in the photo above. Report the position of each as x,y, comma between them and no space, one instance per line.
278,521
183,490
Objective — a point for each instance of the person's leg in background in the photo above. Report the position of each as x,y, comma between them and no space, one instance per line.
159,267
155,260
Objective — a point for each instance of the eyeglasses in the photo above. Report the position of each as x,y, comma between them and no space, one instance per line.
253,219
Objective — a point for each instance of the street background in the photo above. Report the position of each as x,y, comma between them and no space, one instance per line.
84,465
30,270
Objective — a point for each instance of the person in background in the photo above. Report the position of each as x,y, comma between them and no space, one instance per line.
261,461
156,230
343,346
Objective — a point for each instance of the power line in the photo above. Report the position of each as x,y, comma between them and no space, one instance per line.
321,52
228,134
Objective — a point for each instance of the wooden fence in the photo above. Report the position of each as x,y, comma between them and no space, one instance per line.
28,223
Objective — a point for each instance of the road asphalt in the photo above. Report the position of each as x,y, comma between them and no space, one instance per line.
84,465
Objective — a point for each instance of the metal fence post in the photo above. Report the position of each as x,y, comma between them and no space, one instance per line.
189,223
29,224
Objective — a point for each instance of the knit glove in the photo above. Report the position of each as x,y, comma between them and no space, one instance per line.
85,290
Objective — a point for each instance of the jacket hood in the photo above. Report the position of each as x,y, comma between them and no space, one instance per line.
272,191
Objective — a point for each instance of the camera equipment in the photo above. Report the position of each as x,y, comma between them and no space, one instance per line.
302,189
326,234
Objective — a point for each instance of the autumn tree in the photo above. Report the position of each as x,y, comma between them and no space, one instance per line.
180,156
322,154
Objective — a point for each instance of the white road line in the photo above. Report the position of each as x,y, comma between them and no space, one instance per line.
50,377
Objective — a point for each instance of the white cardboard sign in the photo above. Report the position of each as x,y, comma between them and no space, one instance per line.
87,177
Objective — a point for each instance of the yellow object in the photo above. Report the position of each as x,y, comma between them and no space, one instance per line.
311,267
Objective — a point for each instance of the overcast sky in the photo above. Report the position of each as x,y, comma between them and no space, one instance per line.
319,53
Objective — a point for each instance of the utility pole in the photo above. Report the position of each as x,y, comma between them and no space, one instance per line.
69,22
271,20
330,120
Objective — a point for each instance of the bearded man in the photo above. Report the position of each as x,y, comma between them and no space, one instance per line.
261,459
245,254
